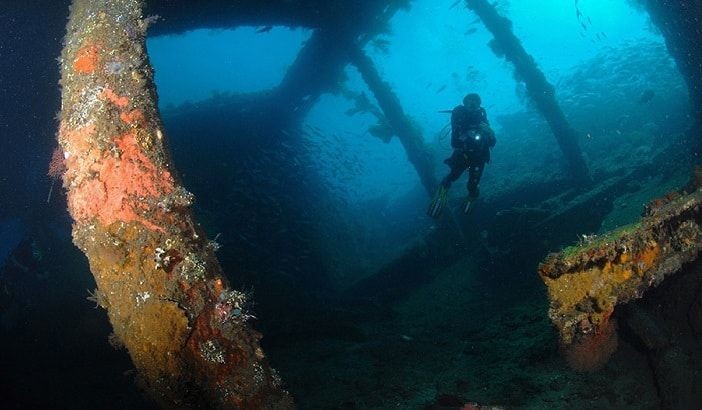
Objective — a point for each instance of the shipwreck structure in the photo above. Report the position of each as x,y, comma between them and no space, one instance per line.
168,301
644,278
586,282
158,277
595,287
541,92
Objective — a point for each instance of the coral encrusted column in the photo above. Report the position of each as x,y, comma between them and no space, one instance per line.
157,275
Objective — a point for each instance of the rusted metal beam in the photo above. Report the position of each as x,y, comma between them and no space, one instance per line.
586,282
158,277
541,92
409,134
319,66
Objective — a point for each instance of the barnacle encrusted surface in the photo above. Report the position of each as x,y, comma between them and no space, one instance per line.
586,282
156,271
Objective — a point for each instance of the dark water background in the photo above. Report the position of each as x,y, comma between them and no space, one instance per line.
363,302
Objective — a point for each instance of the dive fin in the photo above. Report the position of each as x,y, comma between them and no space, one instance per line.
437,204
469,205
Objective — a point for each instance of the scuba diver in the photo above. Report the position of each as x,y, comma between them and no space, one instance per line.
471,139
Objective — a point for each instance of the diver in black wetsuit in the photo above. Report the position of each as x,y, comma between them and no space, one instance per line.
471,138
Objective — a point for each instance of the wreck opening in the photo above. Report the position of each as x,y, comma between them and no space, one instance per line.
210,61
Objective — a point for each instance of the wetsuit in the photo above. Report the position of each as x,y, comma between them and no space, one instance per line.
469,153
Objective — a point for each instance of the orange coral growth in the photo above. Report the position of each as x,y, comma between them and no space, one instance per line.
85,200
78,140
218,287
86,59
132,117
624,275
122,185
624,258
593,352
111,96
620,271
647,257
77,143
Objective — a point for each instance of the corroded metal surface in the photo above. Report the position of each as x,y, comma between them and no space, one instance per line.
157,275
586,282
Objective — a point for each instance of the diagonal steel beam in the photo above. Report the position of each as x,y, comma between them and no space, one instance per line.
158,277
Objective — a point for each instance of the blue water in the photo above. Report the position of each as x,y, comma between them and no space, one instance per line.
364,301
428,50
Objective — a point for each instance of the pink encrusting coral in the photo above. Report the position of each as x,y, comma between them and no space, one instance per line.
133,117
87,58
111,96
123,186
155,269
76,141
57,166
117,184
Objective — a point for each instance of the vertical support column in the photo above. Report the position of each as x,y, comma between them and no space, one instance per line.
409,135
319,66
157,275
539,89
302,86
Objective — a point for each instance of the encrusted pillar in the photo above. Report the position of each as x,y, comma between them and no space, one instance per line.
157,275
586,282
